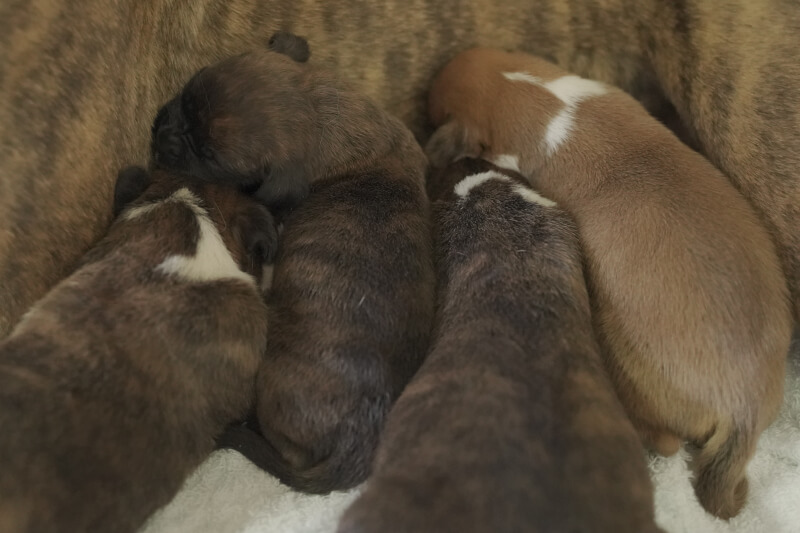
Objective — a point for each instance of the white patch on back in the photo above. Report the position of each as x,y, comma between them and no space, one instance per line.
571,90
522,76
212,260
558,130
506,161
181,195
463,187
529,195
140,210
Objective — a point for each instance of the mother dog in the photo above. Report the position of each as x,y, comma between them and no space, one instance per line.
80,83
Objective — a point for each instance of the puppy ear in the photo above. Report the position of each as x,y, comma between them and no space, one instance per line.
291,45
131,183
450,142
283,187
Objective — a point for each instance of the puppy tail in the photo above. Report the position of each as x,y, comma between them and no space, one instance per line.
719,466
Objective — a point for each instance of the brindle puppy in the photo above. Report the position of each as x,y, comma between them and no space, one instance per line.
511,424
79,82
352,295
113,387
687,291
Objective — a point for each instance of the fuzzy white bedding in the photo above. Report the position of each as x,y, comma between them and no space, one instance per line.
227,494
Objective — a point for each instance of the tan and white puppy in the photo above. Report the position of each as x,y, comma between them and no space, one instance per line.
689,299
113,387
511,423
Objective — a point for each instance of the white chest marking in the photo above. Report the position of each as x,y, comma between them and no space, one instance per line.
464,187
571,90
212,260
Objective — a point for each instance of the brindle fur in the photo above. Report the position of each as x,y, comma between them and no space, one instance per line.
80,82
352,294
688,295
511,424
114,386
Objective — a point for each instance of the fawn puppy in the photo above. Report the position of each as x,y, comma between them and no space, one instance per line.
351,303
115,384
511,423
688,297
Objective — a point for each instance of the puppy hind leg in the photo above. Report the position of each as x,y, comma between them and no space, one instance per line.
658,439
719,467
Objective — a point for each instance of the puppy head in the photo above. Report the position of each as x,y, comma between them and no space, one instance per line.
491,103
244,122
247,228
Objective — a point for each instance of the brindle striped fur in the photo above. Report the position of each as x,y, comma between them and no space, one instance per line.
81,81
114,386
511,424
352,294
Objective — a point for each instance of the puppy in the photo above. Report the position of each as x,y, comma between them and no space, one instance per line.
113,387
689,299
511,424
352,296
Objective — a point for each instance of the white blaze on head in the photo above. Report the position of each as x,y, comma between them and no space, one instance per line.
466,185
211,260
571,90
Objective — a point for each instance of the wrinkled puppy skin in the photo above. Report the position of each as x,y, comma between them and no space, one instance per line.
352,297
113,387
689,300
511,423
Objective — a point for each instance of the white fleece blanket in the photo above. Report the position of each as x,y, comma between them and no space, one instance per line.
227,494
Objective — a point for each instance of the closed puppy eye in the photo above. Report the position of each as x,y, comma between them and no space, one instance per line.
189,110
207,152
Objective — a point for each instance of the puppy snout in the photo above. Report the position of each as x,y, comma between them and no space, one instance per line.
168,148
162,117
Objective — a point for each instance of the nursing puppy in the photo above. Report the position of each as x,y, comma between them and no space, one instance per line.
688,296
113,387
352,295
511,423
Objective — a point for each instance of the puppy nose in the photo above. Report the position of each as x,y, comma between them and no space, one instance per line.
161,118
168,148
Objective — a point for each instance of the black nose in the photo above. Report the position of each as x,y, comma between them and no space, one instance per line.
161,118
168,148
